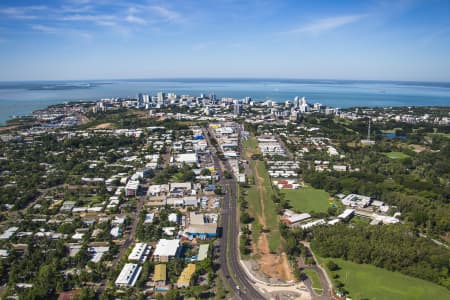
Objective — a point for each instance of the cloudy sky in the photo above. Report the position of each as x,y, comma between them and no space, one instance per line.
106,39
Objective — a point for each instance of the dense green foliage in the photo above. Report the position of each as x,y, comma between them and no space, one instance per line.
414,184
396,248
363,281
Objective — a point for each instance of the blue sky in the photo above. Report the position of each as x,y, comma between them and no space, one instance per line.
106,39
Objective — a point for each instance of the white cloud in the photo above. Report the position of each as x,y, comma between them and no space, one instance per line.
80,1
61,31
22,12
120,16
135,20
101,20
89,18
167,14
43,28
327,24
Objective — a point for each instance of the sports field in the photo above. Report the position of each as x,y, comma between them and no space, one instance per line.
308,199
369,282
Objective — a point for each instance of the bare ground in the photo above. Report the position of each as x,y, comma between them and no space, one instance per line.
6,128
272,265
104,126
419,148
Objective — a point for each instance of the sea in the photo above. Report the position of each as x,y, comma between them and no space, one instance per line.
21,98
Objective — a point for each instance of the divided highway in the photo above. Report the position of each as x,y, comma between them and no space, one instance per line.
232,270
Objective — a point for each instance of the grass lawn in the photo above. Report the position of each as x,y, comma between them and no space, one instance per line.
251,144
367,281
91,200
270,210
316,285
254,208
308,199
360,220
393,130
396,155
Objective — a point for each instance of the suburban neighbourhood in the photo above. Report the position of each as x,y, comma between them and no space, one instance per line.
195,197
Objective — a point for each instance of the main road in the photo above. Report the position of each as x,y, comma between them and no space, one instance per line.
234,275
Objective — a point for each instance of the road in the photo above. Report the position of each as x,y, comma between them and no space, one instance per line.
323,277
286,150
229,259
131,237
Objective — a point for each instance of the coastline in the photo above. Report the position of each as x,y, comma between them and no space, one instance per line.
21,98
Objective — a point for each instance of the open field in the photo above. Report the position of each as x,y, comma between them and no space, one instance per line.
393,130
396,155
266,237
259,196
316,285
251,145
262,207
104,126
254,207
308,199
370,282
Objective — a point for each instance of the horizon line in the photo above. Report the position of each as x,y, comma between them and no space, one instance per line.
226,78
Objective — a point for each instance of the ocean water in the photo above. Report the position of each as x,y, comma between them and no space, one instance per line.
21,98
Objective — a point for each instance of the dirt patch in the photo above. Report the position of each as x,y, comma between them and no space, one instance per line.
446,238
104,126
419,148
272,265
286,268
276,266
6,128
263,244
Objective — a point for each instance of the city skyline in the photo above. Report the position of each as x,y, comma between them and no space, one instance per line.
370,40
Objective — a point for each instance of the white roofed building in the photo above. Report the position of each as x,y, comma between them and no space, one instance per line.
188,158
291,217
313,223
355,200
166,250
131,188
139,252
128,275
346,214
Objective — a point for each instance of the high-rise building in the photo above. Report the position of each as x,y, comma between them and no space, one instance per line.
160,99
146,98
287,104
142,100
296,102
172,96
304,107
161,96
294,116
317,106
237,108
